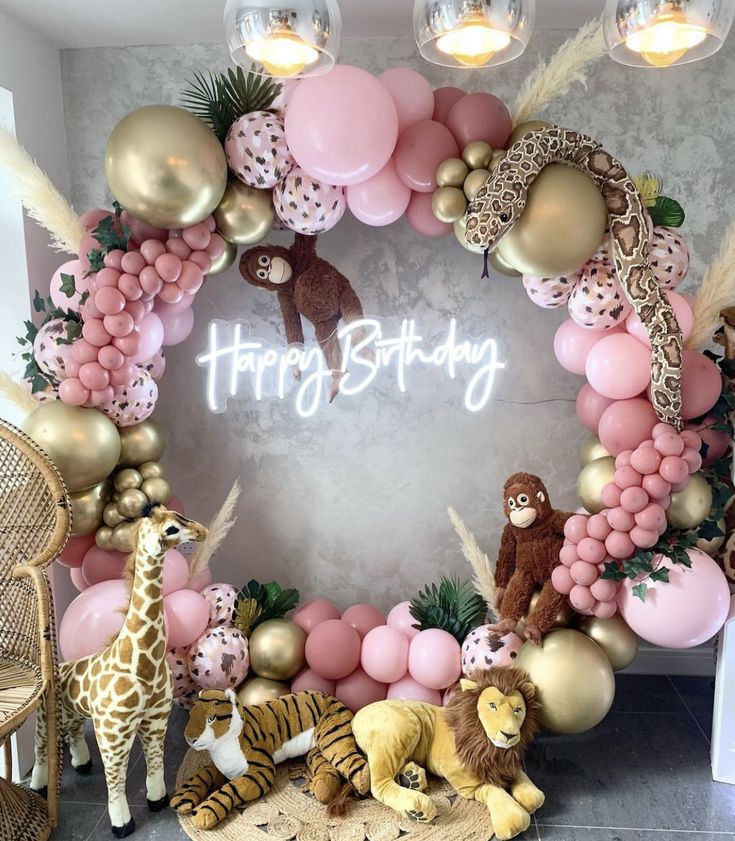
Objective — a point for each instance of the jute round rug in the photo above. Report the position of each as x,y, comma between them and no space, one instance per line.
288,812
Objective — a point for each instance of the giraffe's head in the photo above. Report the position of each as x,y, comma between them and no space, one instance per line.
171,529
497,205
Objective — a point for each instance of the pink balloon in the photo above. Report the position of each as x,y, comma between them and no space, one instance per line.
603,589
168,267
590,406
385,654
656,486
150,281
408,689
444,99
333,649
644,538
381,199
176,326
107,278
585,573
478,652
634,499
421,217
307,679
434,659
191,278
152,333
196,236
72,392
175,504
420,150
568,555
162,307
674,469
119,325
562,580
411,93
93,619
141,231
341,128
221,599
590,550
75,550
715,441
110,357
91,218
701,384
572,345
98,397
95,333
480,116
581,599
125,373
575,528
102,565
204,260
682,311
618,366
202,579
619,545
187,614
597,527
113,259
686,611
151,250
669,444
312,613
178,247
359,689
625,424
109,300
645,460
216,247
400,618
93,376
363,618
652,517
60,299
175,571
77,579
627,477
604,610
83,351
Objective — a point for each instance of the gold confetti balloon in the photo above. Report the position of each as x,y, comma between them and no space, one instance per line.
277,649
259,690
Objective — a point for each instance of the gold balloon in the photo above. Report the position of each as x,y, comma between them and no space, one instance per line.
614,637
157,489
112,516
87,507
127,479
561,227
524,128
451,173
225,260
448,204
82,443
165,166
500,266
564,617
692,505
478,154
591,449
592,479
103,538
711,545
143,442
245,215
474,181
152,470
573,678
131,502
122,537
498,156
277,649
258,690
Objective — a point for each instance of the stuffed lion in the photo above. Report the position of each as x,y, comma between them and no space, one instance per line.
476,743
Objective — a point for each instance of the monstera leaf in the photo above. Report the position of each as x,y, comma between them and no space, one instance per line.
667,212
451,606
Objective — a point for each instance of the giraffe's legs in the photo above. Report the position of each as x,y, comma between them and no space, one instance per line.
152,732
39,776
115,742
81,758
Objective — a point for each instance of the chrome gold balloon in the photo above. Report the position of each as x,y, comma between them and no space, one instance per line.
130,503
157,489
478,154
152,470
592,479
87,507
127,479
564,618
451,173
259,690
500,266
165,166
524,128
123,537
474,181
448,204
112,516
614,637
690,507
591,449
277,649
143,442
225,260
245,215
103,538
498,156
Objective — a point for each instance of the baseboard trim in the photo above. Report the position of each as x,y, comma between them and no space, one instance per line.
652,660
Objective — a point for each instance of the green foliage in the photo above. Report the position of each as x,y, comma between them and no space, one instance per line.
667,212
67,287
111,235
258,602
220,99
453,606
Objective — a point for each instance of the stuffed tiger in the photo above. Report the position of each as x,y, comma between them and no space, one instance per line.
246,743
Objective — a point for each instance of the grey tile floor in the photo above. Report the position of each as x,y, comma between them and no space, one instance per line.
642,775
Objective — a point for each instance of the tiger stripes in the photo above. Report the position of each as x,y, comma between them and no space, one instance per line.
247,742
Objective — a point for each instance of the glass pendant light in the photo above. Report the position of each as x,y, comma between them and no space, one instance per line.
291,39
659,33
472,33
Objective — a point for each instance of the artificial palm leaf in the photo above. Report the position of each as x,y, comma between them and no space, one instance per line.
258,602
453,606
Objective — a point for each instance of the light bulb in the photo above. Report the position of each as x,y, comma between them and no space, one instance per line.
282,52
473,42
666,40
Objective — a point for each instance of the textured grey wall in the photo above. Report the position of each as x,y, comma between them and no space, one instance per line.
352,502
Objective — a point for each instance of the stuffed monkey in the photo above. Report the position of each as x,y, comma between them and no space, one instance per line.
529,551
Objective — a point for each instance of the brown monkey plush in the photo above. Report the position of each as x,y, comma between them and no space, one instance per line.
309,286
529,551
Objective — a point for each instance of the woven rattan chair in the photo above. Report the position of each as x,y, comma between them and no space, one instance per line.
34,526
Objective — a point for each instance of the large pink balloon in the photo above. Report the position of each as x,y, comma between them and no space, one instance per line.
434,659
682,311
381,199
93,619
385,654
421,217
75,550
175,571
400,618
480,116
590,406
619,366
333,649
420,150
686,611
341,127
444,99
359,689
312,613
176,326
78,579
408,689
411,93
572,345
60,299
308,679
102,565
363,618
701,384
152,333
187,614
625,424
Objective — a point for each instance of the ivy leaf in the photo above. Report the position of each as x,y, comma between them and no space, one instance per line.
660,574
73,330
640,590
613,572
67,285
39,383
667,212
38,302
96,261
709,530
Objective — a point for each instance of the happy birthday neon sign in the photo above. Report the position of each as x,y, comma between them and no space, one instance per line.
233,357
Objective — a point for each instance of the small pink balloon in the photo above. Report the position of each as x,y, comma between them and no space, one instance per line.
644,538
130,286
562,580
611,495
652,518
581,598
590,550
101,396
625,424
381,199
76,548
420,150
400,618
646,460
333,649
168,267
307,680
179,248
191,277
619,545
124,374
590,407
605,610
598,527
201,579
669,444
204,260
480,116
682,311
634,499
82,351
358,689
573,344
618,366
150,281
385,654
113,259
627,477
312,613
141,231
151,250
93,376
72,392
175,571
187,614
701,384
434,659
93,619
363,618
444,99
77,579
691,439
673,469
663,429
133,262
620,519
622,459
411,93
196,236
585,573
102,565
136,309
95,333
568,555
603,589
88,310
176,326
119,325
656,486
110,358
216,247
107,278
408,689
420,217
575,528
71,368
171,293
692,458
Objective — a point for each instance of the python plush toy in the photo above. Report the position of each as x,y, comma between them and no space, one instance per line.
502,199
246,743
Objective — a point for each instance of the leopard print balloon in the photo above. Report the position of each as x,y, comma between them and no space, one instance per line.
598,301
669,257
257,151
306,205
550,292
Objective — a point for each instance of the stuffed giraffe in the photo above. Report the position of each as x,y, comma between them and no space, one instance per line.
127,688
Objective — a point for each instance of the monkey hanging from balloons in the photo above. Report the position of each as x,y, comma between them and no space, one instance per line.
307,286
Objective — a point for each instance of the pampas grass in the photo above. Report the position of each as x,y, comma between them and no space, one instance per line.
14,393
484,580
219,528
715,293
553,78
42,201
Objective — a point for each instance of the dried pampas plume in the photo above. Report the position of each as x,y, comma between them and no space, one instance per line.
715,293
14,393
554,77
219,528
484,580
42,201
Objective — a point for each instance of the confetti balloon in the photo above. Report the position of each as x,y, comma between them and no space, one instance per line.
598,301
481,652
133,403
550,292
219,658
185,689
256,149
221,600
669,257
51,356
306,205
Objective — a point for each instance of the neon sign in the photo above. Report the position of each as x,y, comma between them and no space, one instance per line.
233,358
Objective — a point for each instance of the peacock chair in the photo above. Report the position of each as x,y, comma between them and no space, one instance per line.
35,521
